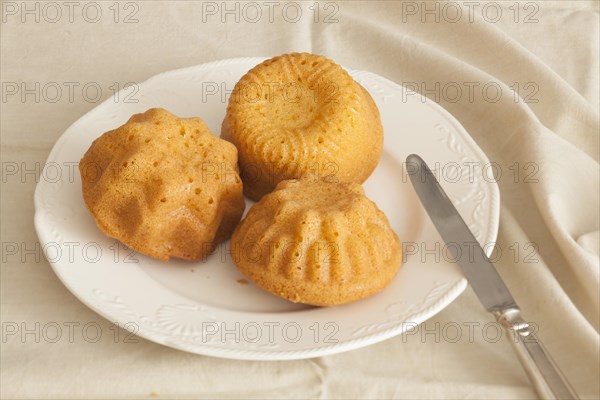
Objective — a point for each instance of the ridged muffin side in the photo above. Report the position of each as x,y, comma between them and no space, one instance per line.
317,243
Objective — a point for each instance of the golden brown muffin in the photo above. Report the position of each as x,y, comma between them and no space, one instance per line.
317,243
301,114
164,186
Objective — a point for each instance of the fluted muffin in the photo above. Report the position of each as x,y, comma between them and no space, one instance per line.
317,243
300,114
164,186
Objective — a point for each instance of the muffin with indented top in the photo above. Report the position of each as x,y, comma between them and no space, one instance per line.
164,186
298,115
317,243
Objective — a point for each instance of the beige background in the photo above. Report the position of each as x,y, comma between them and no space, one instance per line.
556,52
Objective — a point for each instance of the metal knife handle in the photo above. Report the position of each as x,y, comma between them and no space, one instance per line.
547,379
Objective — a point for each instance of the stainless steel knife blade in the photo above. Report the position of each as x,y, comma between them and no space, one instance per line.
466,250
546,377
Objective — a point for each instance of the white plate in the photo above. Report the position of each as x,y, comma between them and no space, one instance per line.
201,307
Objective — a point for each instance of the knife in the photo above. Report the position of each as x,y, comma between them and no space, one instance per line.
544,374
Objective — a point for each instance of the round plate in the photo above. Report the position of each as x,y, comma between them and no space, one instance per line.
206,307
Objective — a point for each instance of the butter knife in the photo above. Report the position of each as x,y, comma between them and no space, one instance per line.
544,374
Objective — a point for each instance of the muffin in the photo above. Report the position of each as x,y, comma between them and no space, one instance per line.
298,115
317,243
164,186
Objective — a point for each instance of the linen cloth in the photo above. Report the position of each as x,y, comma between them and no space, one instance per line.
546,52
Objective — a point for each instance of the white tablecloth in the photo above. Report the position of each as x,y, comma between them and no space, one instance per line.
547,52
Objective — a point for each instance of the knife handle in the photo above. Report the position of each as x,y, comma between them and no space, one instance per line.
547,379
